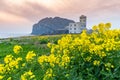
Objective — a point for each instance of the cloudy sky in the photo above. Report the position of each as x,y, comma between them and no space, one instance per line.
18,16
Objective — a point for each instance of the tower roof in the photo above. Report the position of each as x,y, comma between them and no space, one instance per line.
82,16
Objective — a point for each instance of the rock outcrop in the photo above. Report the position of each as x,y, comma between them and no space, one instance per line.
50,25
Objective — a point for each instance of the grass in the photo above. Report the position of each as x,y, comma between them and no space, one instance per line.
38,44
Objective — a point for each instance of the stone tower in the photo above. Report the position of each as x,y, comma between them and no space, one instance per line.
83,20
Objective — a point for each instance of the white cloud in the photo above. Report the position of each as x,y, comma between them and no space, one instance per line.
30,11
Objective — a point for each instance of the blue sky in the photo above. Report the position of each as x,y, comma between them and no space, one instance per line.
18,16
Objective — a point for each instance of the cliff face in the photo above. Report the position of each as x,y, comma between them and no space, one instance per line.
54,25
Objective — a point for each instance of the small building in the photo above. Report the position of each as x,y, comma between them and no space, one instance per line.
77,27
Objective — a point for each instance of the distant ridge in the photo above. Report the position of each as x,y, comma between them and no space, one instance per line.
51,25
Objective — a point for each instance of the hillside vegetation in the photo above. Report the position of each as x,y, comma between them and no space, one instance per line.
94,56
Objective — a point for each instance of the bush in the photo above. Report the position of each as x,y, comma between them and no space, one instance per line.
85,56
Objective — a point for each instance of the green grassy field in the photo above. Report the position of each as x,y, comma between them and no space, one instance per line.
36,43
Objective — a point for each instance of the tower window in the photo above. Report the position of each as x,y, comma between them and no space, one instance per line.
74,24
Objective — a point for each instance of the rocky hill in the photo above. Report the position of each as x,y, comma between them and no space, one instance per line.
50,25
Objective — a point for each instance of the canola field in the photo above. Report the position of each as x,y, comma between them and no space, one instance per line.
94,56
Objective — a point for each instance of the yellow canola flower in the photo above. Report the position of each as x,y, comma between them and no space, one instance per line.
30,55
94,28
2,68
7,67
17,49
23,77
65,60
108,66
11,62
64,41
42,59
49,74
65,51
49,45
28,76
52,50
8,59
88,59
23,64
9,78
102,54
108,25
84,34
101,27
19,59
96,63
30,73
51,59
1,77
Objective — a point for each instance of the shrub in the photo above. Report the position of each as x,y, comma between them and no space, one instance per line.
85,56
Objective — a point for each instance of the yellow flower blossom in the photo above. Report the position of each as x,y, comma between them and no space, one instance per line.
94,28
30,55
96,63
9,78
11,62
17,49
19,59
49,74
88,59
108,66
23,64
8,58
28,76
65,60
2,68
1,77
51,59
42,59
49,45
108,25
